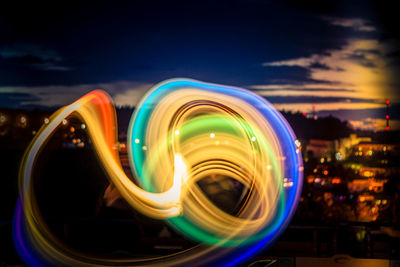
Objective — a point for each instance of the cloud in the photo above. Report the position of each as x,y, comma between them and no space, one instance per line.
368,111
311,98
123,92
356,24
317,93
272,88
34,57
300,62
366,57
11,99
374,124
328,108
317,65
360,66
132,95
360,51
353,83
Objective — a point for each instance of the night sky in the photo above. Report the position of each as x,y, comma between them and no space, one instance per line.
341,56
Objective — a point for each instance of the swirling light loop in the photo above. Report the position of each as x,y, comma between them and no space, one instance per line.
182,133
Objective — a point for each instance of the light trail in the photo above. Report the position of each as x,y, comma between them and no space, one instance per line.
191,130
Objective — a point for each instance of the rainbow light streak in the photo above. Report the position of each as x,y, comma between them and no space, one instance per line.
182,132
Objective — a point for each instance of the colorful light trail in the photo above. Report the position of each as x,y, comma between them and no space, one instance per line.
182,132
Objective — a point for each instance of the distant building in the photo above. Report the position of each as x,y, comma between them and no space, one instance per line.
372,171
364,185
369,149
347,143
339,148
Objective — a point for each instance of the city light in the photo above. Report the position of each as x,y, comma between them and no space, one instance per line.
297,142
22,121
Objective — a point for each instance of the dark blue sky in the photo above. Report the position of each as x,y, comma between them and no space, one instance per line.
50,54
